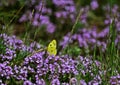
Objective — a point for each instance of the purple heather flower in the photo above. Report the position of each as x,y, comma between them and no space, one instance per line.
84,15
53,65
44,9
93,83
50,28
73,81
37,15
103,44
67,9
5,71
94,33
40,82
60,14
37,58
37,18
115,80
31,69
98,64
27,82
104,33
12,41
87,67
55,82
96,81
23,18
66,40
36,64
71,9
107,21
35,23
94,4
82,82
63,2
118,77
115,9
74,37
86,35
65,84
23,73
118,26
9,55
92,41
20,72
35,45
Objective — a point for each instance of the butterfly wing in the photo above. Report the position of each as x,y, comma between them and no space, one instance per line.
52,48
52,51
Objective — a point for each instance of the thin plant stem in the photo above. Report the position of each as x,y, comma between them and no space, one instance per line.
76,21
73,27
15,15
39,17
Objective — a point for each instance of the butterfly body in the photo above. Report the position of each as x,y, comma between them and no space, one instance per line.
51,49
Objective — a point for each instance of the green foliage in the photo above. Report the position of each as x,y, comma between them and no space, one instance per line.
21,55
2,47
13,81
72,50
110,60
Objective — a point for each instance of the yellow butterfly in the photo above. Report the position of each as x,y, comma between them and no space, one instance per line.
51,49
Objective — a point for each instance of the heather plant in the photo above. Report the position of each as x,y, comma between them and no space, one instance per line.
87,48
39,65
44,15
